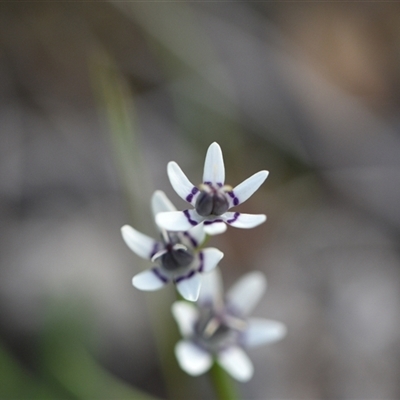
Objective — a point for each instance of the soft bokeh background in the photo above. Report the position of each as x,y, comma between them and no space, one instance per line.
96,98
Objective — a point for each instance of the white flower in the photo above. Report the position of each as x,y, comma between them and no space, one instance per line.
212,199
177,255
214,330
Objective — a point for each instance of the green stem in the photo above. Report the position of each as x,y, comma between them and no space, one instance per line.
224,385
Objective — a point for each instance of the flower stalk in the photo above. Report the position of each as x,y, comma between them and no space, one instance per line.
216,327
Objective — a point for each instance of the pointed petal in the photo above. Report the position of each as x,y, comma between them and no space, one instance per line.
214,168
244,190
262,331
150,280
189,287
160,202
181,184
186,315
210,257
178,220
196,235
191,358
244,221
236,362
141,244
211,289
244,295
214,228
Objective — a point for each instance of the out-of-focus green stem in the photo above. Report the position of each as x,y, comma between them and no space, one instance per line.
118,104
224,385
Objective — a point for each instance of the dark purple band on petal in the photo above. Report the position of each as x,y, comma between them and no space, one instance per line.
233,196
201,266
159,275
189,197
213,221
235,217
154,249
192,239
191,221
183,277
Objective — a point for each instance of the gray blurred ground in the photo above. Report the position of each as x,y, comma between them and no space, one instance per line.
308,91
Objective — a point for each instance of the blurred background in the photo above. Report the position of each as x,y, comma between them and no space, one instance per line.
96,98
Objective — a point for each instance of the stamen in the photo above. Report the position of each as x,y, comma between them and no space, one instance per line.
205,187
227,188
158,254
165,236
179,246
235,323
211,327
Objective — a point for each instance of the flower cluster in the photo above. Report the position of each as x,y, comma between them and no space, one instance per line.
215,327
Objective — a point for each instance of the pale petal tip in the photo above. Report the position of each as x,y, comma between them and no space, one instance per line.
215,229
192,359
126,228
214,144
282,332
189,288
148,281
236,362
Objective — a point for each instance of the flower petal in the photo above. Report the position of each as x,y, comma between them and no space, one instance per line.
262,331
211,289
189,287
244,295
186,315
245,189
149,280
211,258
244,221
236,362
181,184
141,244
196,235
178,220
214,169
160,202
191,358
214,228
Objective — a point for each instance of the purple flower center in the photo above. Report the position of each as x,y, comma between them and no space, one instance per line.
211,201
175,259
217,331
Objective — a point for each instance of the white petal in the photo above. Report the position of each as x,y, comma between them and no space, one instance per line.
181,184
214,169
244,190
149,280
192,359
261,331
160,202
244,221
215,228
237,363
211,258
189,288
244,295
178,220
141,244
186,315
196,235
211,289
